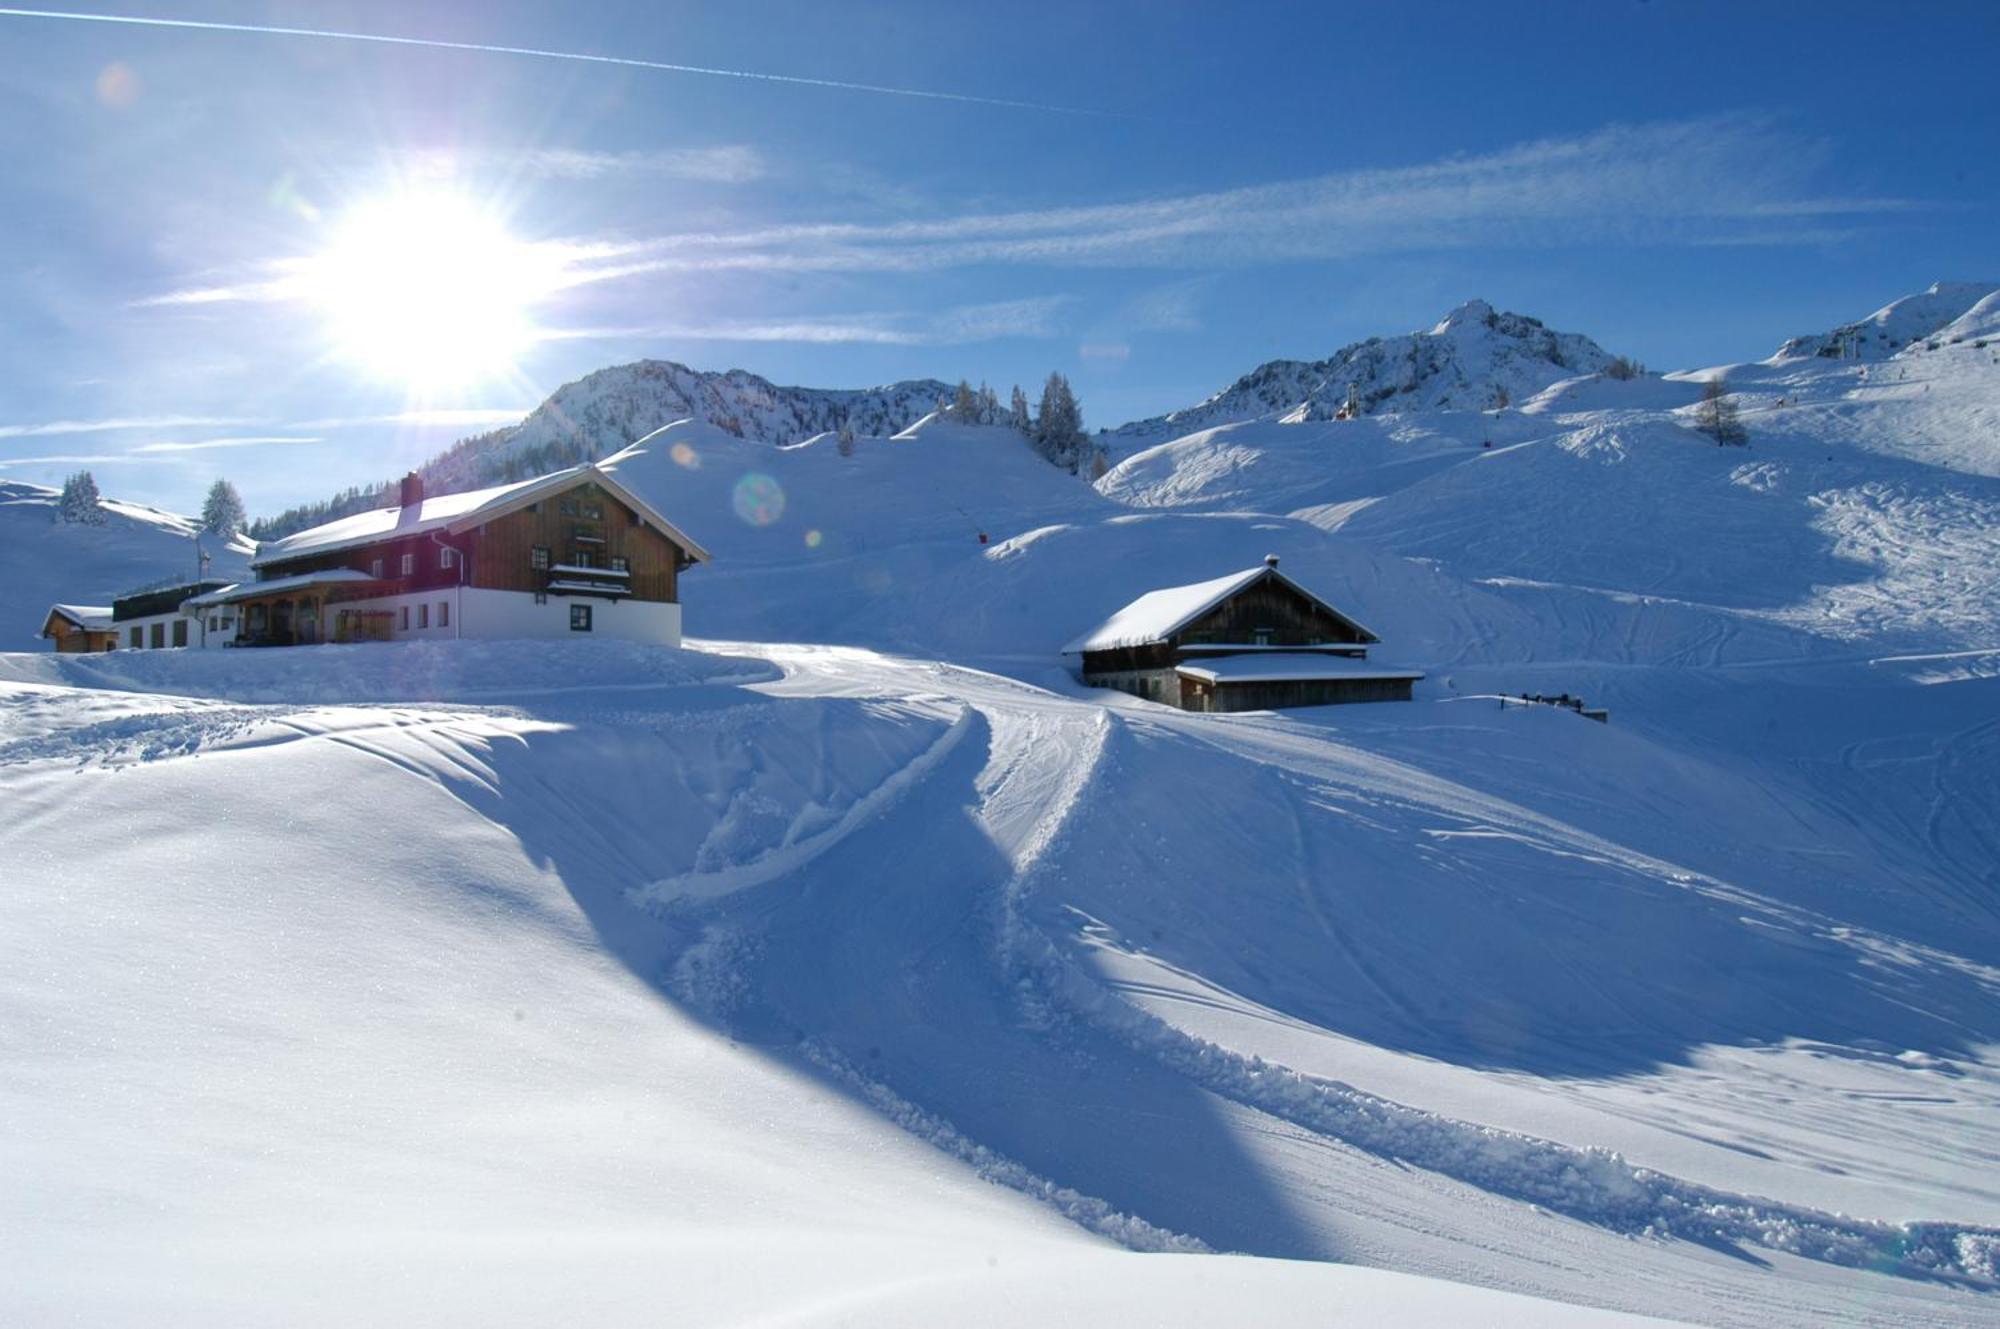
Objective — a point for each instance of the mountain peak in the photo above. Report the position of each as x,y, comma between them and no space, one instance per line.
1473,313
1473,359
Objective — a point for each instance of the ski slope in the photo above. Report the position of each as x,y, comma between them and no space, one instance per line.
860,966
53,562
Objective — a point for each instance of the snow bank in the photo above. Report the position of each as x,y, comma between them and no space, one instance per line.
388,671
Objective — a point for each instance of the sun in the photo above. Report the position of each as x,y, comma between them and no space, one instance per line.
430,289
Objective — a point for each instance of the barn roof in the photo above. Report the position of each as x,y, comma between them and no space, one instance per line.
1281,668
91,618
1158,615
454,513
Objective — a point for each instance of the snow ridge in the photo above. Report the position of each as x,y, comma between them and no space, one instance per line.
1899,325
604,411
1086,1211
1466,362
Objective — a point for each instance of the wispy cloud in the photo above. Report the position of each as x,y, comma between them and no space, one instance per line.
1038,316
733,164
1733,179
208,444
82,459
442,417
53,428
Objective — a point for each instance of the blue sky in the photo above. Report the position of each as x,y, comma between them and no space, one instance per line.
1153,198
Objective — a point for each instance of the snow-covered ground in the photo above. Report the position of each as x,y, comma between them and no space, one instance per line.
859,966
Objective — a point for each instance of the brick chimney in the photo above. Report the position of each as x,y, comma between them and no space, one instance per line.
411,500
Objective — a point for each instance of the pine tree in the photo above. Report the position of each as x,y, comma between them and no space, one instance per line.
222,514
845,443
1058,433
1017,411
989,406
1717,417
80,501
964,405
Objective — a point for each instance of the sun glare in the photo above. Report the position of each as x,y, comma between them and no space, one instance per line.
429,289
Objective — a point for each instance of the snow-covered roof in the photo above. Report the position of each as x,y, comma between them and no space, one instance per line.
1261,668
454,513
1158,615
254,590
91,618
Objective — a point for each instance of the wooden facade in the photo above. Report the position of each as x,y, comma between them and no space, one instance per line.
1265,617
73,636
583,536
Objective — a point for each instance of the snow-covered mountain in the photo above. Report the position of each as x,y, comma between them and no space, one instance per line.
602,412
1913,321
55,562
818,932
1466,362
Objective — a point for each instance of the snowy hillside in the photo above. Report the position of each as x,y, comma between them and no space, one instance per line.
53,562
604,411
1467,361
1902,324
864,967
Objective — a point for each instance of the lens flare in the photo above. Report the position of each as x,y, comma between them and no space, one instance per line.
758,499
686,456
814,539
428,287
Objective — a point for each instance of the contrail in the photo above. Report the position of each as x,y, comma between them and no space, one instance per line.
268,30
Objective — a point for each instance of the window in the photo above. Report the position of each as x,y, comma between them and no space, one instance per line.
1261,637
214,623
569,507
180,632
444,613
423,616
137,640
579,618
447,557
593,510
406,618
541,597
619,564
158,636
375,569
581,558
409,564
538,558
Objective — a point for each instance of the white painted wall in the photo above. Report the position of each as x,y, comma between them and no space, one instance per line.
515,614
145,625
491,615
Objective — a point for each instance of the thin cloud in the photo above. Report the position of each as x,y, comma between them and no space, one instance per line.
734,164
84,459
443,417
58,427
487,48
207,444
1721,180
1032,317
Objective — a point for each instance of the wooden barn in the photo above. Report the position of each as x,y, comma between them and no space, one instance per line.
1254,640
78,628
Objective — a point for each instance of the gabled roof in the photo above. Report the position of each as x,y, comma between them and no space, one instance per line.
91,618
1158,615
457,513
